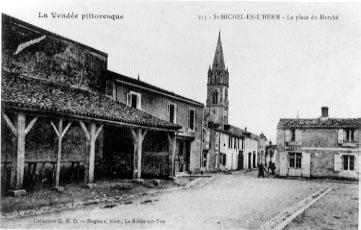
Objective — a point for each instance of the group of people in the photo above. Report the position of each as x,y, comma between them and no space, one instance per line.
262,170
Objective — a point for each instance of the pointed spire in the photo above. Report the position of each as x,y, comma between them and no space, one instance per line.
218,61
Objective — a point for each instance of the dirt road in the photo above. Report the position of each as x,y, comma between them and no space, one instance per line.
233,201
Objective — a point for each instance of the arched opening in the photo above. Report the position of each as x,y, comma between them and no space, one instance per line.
215,97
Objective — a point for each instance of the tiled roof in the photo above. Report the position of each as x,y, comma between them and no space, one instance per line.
235,131
28,93
320,123
148,86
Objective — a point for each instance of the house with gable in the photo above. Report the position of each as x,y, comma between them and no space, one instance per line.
319,147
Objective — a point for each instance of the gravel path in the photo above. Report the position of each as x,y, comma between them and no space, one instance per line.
239,200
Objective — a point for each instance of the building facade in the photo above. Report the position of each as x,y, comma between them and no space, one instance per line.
320,147
225,147
168,106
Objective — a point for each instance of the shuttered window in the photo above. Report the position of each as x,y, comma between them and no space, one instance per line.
134,100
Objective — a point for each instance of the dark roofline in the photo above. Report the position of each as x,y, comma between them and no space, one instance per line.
244,133
40,108
5,17
146,86
321,123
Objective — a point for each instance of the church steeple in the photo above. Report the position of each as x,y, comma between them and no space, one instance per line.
217,88
218,61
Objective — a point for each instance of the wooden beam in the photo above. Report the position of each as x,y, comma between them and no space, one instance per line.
90,161
10,124
134,135
138,137
85,129
172,148
98,131
58,157
93,132
31,125
20,161
143,135
66,129
139,152
55,129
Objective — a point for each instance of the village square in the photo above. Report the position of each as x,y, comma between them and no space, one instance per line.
83,146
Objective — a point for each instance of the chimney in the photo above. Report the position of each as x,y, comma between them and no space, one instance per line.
245,129
324,112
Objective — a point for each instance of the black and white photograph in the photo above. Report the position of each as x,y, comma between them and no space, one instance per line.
180,115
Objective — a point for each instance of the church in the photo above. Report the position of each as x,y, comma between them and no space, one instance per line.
225,147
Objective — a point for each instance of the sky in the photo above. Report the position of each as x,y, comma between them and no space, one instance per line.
277,68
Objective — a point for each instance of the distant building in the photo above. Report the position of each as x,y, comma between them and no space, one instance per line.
270,153
225,147
262,148
319,147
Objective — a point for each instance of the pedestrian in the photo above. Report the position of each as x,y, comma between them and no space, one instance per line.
269,166
273,167
261,170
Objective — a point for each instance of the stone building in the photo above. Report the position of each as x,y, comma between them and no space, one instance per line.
61,122
168,106
319,147
225,147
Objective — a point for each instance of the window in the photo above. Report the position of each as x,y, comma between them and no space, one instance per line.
134,100
235,143
349,135
191,119
348,162
215,97
172,113
295,160
293,134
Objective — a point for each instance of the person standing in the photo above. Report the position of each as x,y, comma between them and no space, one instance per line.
261,170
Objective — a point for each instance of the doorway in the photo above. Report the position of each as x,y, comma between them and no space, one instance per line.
182,159
249,160
240,160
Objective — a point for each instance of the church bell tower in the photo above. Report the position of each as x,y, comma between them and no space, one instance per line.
217,89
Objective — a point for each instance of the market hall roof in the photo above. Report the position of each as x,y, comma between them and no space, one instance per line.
327,123
32,94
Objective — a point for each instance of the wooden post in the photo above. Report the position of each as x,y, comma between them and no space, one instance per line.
172,147
20,161
58,157
91,138
92,152
20,131
60,133
138,137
